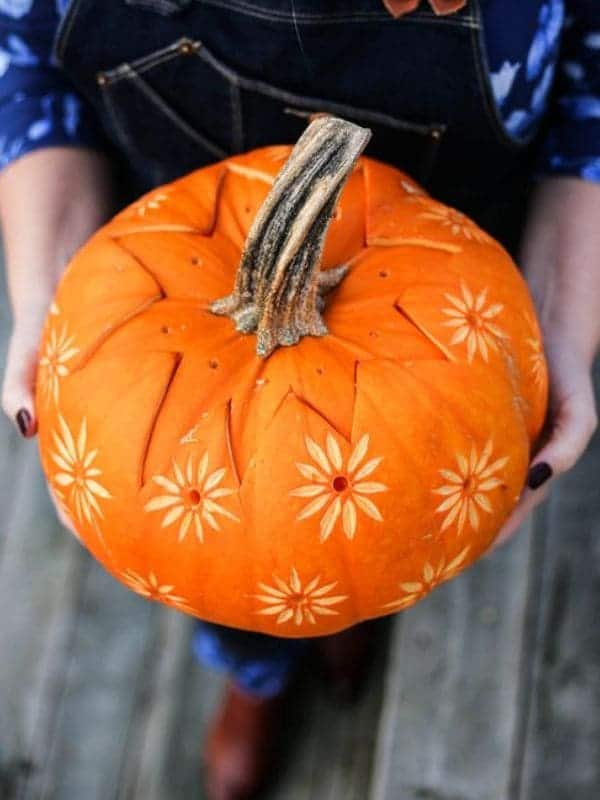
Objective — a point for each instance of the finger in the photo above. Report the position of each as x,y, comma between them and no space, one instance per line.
572,428
19,380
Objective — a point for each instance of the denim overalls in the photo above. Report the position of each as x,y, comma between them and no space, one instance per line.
182,83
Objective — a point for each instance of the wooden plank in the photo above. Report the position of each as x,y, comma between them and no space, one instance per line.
12,453
561,748
39,578
328,747
107,671
163,754
450,709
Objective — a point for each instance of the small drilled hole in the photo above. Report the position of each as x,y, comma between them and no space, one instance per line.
194,496
213,363
383,273
247,209
165,329
319,370
373,334
340,483
196,261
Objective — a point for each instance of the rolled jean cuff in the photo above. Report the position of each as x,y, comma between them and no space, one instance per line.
259,664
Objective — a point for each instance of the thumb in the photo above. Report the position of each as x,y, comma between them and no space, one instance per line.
572,425
19,377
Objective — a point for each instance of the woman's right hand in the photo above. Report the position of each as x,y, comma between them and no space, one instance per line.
51,201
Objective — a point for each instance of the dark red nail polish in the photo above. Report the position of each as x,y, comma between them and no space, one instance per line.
23,418
538,475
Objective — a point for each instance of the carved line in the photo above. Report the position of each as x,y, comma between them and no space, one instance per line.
177,359
430,244
103,338
426,333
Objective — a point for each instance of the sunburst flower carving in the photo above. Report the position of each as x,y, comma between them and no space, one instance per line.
474,322
339,490
192,496
293,601
432,576
466,489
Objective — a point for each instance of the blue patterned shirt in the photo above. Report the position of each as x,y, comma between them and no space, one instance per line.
532,48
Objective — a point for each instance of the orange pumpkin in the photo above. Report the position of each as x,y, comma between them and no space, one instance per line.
372,447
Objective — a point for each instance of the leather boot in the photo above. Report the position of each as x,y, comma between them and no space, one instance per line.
240,750
347,656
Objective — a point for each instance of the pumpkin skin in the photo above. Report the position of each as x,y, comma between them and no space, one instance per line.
337,480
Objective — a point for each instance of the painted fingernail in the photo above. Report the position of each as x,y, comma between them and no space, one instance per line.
538,475
23,418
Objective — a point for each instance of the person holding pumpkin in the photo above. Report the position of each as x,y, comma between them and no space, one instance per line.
493,105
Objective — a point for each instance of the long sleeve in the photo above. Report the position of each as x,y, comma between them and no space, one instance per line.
38,107
572,145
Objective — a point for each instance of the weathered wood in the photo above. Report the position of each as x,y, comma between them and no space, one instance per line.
108,667
39,578
561,749
450,703
163,754
328,745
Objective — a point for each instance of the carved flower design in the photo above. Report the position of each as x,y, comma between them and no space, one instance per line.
337,489
473,321
431,577
151,203
59,349
537,361
465,490
458,223
151,589
191,496
292,601
77,475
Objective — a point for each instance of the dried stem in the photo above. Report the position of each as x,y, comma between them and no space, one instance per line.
279,286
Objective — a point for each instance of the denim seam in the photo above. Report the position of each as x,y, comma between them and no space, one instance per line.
237,118
314,103
269,15
163,107
174,117
147,62
133,70
114,117
63,31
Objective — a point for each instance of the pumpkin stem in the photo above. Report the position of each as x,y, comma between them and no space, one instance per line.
279,286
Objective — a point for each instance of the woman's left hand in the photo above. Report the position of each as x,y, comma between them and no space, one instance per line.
561,262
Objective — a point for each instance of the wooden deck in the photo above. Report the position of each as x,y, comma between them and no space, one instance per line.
488,690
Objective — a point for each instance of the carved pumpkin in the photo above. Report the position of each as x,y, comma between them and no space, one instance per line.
285,407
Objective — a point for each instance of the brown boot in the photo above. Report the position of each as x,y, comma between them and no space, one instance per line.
347,657
240,749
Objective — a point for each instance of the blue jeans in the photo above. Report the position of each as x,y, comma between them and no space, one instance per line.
259,664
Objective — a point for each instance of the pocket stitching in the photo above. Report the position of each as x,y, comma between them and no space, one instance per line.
156,100
285,96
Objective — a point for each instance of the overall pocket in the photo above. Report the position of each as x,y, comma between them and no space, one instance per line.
168,113
180,108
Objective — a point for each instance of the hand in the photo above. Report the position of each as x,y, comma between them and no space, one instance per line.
51,201
561,258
